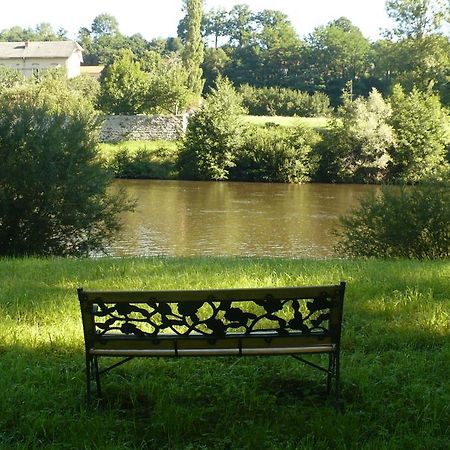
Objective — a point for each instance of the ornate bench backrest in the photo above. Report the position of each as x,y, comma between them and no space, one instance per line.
215,314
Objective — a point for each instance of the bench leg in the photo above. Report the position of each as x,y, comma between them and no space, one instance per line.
333,372
97,376
88,380
92,373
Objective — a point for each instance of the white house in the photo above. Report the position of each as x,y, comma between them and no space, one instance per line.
32,57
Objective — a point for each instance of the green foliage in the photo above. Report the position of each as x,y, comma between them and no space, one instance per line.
194,47
153,160
422,129
405,222
53,196
214,135
416,18
87,86
284,102
168,90
41,32
123,86
10,78
335,54
356,146
277,154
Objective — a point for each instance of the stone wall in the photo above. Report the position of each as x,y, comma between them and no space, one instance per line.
142,128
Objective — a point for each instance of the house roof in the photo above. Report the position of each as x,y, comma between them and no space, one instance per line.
34,49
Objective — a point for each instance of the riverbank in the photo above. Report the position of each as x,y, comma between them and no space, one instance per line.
396,348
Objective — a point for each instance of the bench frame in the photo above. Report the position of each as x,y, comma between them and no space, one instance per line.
287,340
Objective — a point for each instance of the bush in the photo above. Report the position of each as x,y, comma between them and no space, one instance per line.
276,154
356,146
422,129
405,222
155,160
214,136
53,190
276,101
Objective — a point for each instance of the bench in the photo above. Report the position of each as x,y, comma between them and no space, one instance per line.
242,322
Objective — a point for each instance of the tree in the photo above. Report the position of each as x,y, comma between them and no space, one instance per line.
10,77
240,26
193,49
104,24
53,196
124,86
168,90
215,24
422,135
213,136
336,54
42,32
356,147
417,18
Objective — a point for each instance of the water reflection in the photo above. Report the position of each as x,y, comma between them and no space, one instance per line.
184,218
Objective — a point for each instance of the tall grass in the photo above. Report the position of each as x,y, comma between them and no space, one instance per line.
395,362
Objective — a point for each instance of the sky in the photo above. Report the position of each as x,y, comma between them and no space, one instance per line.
159,18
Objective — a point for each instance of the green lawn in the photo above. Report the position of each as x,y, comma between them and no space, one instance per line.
395,362
313,122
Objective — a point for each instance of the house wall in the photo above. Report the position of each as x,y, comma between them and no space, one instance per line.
73,65
28,65
142,128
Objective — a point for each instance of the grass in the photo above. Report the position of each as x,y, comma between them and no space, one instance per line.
312,122
141,159
395,362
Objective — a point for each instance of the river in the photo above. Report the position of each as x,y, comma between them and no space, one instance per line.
188,218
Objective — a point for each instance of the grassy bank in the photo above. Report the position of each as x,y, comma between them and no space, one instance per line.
395,362
311,122
141,159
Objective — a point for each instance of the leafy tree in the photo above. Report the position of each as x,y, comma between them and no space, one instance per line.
42,32
193,49
417,18
168,90
123,86
104,24
422,134
215,24
356,147
405,222
214,64
53,191
240,26
10,77
336,54
213,136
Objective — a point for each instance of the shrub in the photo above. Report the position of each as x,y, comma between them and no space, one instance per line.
213,136
146,161
422,129
276,154
406,222
355,148
53,190
284,102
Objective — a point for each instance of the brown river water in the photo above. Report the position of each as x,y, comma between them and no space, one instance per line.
189,218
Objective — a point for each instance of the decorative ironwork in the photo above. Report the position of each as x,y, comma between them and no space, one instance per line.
215,318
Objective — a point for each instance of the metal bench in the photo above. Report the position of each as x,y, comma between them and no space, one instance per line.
242,322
